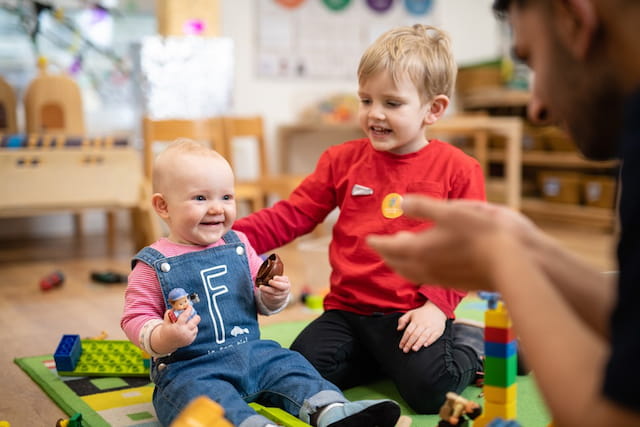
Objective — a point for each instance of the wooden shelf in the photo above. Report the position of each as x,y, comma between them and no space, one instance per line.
568,159
576,214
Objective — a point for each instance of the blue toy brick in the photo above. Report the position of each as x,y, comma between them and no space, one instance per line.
68,353
500,349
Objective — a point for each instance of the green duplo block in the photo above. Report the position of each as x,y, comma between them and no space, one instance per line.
500,372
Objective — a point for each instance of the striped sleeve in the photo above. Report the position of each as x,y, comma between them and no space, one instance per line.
143,302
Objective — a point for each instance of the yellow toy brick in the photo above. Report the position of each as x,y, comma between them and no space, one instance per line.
500,394
498,317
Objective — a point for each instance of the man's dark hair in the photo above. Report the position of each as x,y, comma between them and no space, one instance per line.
501,7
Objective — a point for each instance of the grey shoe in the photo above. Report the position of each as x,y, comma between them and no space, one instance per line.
361,413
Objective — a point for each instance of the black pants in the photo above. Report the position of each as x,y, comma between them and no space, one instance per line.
350,350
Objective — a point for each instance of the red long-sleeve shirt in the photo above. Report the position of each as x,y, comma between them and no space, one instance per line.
356,178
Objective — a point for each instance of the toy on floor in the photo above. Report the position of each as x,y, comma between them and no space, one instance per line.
202,411
272,266
100,358
74,421
500,364
52,280
457,411
108,277
179,301
311,300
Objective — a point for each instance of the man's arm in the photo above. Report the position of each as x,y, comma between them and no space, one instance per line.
475,248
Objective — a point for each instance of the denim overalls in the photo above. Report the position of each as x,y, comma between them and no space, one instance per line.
228,361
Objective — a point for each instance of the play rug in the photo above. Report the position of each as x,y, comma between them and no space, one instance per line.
126,401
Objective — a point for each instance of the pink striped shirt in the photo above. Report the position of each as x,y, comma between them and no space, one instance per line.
143,300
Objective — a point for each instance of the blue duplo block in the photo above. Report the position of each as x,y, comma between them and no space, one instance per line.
500,349
68,353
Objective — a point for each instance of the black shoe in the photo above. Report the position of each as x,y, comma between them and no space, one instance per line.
365,413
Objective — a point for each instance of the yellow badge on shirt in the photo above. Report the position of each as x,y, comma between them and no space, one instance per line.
392,205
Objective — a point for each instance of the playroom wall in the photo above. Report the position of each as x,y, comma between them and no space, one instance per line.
280,101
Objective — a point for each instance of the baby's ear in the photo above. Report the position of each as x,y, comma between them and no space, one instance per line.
160,205
437,108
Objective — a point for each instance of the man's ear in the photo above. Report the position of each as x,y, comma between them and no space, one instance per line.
160,205
436,110
576,23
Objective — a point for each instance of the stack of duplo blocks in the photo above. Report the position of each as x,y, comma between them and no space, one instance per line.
500,366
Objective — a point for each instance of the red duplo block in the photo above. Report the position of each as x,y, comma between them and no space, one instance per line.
499,335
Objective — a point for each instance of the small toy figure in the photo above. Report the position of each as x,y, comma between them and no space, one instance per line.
456,409
272,266
179,300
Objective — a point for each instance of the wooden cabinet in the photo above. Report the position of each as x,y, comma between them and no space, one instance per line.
551,167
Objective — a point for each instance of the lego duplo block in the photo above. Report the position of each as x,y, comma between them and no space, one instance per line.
498,317
503,350
109,358
499,334
68,353
498,410
500,372
202,411
279,416
500,394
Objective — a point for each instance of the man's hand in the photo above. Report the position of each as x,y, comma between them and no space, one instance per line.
467,238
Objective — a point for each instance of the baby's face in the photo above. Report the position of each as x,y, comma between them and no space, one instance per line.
200,201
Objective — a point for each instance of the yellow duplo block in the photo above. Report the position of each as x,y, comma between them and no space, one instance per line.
497,317
506,411
481,421
500,394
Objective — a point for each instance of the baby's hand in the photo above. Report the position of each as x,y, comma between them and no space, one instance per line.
422,327
277,293
170,336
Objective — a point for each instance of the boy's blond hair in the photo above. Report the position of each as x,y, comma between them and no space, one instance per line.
163,163
420,51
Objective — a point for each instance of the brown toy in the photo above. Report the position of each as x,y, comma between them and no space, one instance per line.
456,409
272,266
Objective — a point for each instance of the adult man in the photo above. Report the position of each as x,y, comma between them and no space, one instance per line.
585,347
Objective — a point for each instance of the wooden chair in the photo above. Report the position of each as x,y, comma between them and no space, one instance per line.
208,130
263,183
53,104
8,121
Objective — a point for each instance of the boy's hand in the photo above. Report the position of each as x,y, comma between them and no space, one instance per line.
170,336
277,293
422,326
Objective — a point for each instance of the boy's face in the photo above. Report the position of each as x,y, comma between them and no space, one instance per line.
392,114
200,204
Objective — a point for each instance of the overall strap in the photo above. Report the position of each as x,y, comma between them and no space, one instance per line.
231,237
147,255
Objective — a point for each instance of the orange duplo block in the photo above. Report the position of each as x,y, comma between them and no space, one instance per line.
501,395
498,317
202,411
499,335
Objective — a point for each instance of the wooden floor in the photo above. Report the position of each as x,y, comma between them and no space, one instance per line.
32,321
